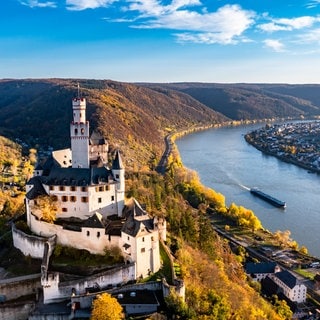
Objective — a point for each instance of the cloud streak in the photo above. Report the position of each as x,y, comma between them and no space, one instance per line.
79,5
39,4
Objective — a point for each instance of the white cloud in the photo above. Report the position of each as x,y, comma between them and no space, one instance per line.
224,26
275,45
39,4
285,24
79,5
313,36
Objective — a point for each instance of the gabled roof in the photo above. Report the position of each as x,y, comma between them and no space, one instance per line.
117,162
287,278
37,190
95,221
137,220
78,176
263,267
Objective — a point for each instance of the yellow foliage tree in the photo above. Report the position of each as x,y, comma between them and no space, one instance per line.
46,208
105,307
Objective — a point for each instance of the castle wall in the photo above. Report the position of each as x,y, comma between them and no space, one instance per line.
18,311
54,291
14,288
85,300
30,245
92,239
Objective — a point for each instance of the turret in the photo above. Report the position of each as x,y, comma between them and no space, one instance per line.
118,173
79,133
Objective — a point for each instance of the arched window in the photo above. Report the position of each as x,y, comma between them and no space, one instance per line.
82,130
75,131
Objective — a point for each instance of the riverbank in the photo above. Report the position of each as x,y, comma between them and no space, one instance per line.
294,143
226,163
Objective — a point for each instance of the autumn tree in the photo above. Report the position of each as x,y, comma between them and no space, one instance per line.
106,307
46,208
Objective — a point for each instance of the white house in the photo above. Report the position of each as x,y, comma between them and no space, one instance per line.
92,210
259,271
290,286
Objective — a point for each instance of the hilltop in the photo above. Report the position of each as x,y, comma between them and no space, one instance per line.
252,101
133,118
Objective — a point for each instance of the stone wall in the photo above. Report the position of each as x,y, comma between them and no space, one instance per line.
17,311
29,245
14,288
55,291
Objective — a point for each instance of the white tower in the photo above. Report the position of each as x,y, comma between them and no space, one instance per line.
118,172
79,133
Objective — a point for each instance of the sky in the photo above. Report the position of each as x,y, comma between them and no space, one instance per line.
250,41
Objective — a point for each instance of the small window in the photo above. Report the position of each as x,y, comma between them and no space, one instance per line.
75,131
64,198
142,239
98,234
64,209
61,188
152,238
73,199
143,250
88,233
51,188
83,189
112,198
117,176
99,200
84,199
82,130
73,188
101,188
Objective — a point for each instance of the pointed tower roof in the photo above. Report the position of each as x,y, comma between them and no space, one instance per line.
117,162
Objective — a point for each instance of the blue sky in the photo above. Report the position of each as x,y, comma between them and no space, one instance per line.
162,40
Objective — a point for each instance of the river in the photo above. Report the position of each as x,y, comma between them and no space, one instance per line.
226,163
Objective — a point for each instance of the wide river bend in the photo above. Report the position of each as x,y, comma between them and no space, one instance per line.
226,163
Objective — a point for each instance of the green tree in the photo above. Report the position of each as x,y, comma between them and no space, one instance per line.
106,307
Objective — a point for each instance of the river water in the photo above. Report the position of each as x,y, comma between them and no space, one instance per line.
226,163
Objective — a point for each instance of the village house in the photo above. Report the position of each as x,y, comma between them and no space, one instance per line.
259,271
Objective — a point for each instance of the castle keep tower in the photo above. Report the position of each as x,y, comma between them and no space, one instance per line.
79,133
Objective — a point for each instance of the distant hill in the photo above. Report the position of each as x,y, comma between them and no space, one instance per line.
253,101
131,117
136,117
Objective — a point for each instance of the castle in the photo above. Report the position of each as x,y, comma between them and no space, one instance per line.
89,200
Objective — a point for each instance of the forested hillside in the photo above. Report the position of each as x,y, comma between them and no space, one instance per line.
132,118
253,101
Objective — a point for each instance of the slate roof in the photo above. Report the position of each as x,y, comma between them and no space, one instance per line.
137,219
78,176
117,162
95,221
37,190
287,278
263,267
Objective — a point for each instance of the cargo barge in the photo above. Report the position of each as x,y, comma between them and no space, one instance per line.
275,202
